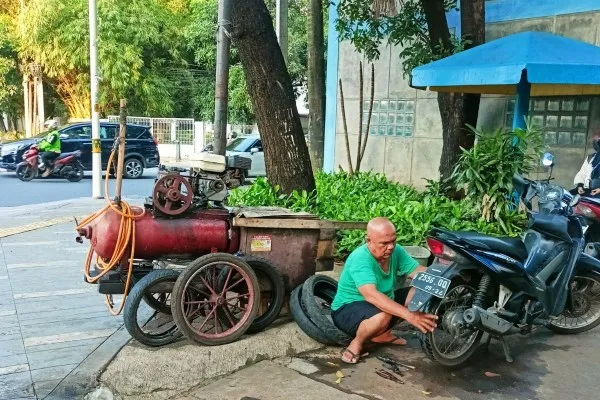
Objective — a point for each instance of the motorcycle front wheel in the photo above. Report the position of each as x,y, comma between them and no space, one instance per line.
451,344
25,172
585,311
77,174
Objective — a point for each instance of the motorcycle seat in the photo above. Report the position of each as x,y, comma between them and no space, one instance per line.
589,199
511,247
65,155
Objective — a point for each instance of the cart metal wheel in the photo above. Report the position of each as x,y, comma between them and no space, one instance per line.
272,291
144,323
209,312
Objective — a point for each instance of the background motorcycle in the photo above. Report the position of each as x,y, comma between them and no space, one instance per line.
67,165
589,209
501,286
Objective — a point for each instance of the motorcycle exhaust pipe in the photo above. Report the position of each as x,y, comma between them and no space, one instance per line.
591,249
487,321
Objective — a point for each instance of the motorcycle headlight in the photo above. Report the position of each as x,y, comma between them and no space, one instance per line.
552,194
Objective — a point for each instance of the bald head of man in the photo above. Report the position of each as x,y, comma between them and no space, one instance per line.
381,238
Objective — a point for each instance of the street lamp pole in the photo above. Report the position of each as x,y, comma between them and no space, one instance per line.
281,26
96,148
222,77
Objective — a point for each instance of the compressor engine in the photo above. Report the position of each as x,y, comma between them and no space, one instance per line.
208,180
184,216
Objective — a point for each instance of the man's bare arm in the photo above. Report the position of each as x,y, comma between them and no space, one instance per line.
420,268
424,322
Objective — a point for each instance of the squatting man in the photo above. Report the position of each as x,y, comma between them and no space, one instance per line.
366,306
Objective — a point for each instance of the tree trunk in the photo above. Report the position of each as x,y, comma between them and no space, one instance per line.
472,19
3,127
316,83
456,109
286,155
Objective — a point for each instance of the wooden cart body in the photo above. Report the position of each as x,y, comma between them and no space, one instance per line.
298,244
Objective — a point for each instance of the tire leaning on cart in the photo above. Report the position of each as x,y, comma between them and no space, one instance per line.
154,328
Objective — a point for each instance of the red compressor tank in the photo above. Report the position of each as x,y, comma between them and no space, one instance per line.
196,234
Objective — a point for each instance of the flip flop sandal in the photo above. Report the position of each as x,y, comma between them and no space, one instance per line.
392,341
355,358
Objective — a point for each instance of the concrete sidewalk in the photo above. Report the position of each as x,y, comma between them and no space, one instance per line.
53,325
14,220
50,319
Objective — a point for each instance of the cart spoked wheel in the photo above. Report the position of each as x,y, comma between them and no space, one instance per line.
272,291
211,312
144,321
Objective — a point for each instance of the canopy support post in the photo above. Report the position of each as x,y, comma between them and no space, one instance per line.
522,103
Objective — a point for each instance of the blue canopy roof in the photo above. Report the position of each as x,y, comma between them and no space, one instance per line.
553,65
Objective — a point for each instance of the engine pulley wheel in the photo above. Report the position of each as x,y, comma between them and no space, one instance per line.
172,194
217,186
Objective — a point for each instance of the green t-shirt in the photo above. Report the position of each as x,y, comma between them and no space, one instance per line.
362,268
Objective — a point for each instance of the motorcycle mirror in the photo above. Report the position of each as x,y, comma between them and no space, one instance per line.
548,160
575,200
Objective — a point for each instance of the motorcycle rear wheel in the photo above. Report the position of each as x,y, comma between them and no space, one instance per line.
458,299
585,289
77,173
25,172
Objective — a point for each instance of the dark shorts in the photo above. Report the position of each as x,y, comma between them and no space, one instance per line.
348,317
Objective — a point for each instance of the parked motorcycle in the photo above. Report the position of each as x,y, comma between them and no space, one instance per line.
67,165
501,286
589,209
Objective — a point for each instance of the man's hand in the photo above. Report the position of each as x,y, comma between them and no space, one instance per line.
420,268
581,191
595,192
423,322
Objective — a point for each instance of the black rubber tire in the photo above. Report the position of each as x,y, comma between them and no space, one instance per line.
320,287
265,267
565,331
305,324
132,304
131,171
77,168
25,172
429,349
178,292
157,305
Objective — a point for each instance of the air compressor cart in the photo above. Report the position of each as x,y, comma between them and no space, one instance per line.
213,299
199,268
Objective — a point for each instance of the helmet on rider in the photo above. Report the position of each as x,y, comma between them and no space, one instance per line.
51,124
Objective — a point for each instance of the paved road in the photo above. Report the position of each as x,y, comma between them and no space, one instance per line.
14,192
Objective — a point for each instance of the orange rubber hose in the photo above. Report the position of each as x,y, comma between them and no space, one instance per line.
125,240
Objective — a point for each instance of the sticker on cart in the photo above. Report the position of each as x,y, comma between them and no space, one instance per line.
260,243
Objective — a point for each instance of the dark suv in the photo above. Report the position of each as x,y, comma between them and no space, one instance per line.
141,151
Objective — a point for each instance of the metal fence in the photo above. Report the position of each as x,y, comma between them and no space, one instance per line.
165,130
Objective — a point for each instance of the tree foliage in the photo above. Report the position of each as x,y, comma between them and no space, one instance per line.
136,49
159,54
10,87
367,31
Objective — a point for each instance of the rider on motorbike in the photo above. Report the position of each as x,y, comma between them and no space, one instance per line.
587,180
50,147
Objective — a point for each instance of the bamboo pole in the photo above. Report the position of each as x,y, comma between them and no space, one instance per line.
121,147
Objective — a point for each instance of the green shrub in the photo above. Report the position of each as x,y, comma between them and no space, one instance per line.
367,195
486,171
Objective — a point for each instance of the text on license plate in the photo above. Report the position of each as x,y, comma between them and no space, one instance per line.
435,285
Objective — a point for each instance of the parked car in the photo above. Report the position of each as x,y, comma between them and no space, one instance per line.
141,150
250,147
